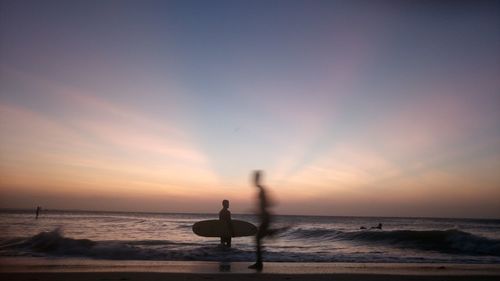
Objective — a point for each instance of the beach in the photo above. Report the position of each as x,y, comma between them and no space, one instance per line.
133,276
94,246
78,269
249,140
169,237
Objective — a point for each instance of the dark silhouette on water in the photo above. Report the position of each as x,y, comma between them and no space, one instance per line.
265,221
379,226
225,217
37,212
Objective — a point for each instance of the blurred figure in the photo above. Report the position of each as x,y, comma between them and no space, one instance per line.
225,217
265,220
37,212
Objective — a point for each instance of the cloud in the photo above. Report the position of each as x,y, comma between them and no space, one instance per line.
92,145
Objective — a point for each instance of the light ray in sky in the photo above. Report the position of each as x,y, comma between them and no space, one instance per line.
351,108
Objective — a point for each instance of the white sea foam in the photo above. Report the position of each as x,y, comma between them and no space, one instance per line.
136,236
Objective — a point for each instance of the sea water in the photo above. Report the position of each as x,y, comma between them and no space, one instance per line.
159,236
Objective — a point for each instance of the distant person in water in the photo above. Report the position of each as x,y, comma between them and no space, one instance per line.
265,220
37,212
379,226
225,216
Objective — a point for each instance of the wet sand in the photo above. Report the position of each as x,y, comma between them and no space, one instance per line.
78,269
145,276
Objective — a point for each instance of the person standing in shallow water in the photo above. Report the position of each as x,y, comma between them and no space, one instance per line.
37,212
265,220
225,217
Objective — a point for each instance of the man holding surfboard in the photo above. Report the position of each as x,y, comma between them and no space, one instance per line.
225,218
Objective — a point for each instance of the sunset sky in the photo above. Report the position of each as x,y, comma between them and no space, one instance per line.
387,108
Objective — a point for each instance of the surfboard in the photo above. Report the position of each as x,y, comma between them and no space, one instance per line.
217,228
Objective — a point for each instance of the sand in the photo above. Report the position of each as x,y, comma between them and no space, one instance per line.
78,269
145,276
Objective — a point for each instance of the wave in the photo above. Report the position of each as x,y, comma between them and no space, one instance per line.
53,243
448,241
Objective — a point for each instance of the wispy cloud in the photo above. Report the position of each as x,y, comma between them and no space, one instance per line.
95,145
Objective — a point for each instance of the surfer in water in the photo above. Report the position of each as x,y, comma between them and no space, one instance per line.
265,220
225,216
379,226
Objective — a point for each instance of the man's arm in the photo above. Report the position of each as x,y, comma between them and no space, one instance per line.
230,223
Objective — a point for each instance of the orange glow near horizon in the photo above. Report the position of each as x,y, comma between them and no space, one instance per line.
121,155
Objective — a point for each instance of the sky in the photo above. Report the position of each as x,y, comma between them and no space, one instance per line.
351,108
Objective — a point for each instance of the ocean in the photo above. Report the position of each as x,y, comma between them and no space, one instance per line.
169,237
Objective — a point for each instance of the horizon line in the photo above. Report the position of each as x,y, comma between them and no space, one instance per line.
289,215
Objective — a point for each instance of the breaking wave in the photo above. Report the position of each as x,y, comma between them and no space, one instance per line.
447,241
53,243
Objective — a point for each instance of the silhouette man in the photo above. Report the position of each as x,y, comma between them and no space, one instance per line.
225,217
265,220
37,212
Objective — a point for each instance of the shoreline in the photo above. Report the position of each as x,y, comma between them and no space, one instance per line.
72,265
48,269
155,276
